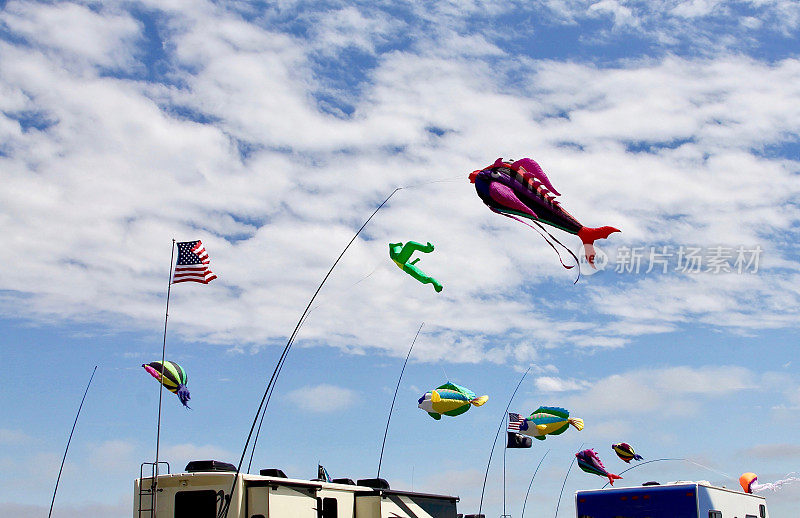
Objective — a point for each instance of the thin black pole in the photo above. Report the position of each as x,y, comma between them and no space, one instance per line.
565,482
524,503
279,366
502,422
386,432
264,414
70,440
154,485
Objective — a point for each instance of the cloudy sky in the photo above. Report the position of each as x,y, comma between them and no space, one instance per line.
271,130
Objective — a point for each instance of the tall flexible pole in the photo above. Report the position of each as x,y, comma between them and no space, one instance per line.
502,422
70,440
282,359
154,485
525,502
558,504
386,432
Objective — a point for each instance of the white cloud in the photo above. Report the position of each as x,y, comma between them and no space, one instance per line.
322,398
13,437
773,451
668,391
114,455
273,220
74,34
552,384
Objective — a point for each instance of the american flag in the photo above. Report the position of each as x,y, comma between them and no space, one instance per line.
192,265
514,420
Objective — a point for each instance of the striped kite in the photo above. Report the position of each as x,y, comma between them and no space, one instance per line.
174,378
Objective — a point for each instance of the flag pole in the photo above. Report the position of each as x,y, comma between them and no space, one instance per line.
153,487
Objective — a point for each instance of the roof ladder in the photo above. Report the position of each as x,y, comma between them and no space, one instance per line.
147,497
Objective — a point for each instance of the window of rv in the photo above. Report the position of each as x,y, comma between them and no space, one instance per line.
196,504
327,507
436,507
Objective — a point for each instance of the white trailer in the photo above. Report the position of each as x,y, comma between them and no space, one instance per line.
673,500
204,488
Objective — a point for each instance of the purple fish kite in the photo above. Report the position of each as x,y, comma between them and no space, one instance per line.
589,462
522,190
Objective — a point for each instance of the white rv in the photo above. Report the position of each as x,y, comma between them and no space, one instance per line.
673,500
203,489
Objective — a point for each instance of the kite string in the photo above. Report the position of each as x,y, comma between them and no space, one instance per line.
660,460
709,469
443,180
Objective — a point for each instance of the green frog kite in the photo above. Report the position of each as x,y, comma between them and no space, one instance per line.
401,253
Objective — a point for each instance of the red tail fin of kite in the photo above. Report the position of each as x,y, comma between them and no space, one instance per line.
588,235
612,477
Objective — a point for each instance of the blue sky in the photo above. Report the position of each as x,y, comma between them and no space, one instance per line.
271,130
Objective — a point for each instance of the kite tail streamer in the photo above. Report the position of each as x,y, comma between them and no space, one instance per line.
546,234
183,395
279,366
774,486
58,479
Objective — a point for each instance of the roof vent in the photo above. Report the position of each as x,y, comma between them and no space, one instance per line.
374,483
348,481
209,465
273,472
651,483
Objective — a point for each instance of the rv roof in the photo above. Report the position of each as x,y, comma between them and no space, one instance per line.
702,483
280,481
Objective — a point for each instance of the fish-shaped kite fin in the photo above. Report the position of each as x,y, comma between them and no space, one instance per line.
531,166
577,422
589,235
480,400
